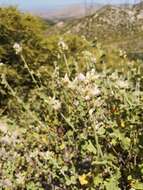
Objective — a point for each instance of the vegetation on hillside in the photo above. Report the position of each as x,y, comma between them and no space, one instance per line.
113,26
71,112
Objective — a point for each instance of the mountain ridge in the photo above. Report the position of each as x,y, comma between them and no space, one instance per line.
77,10
111,24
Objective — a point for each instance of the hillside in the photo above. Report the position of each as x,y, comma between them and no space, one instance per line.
71,113
119,26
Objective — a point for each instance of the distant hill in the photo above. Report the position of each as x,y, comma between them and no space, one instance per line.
117,26
77,10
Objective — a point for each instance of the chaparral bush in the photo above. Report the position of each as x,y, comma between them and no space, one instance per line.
72,122
42,53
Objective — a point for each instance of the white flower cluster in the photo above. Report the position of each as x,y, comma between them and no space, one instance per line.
84,85
80,77
114,76
55,103
123,84
17,48
1,64
10,138
62,45
6,183
122,53
120,82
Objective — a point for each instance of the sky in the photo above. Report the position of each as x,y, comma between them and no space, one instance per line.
53,4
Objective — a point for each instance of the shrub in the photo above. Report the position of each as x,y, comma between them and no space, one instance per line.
41,53
64,125
80,133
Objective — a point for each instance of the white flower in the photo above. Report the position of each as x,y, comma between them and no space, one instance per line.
72,85
81,77
17,48
92,75
7,184
1,64
122,84
6,140
56,104
20,178
94,91
87,98
76,102
66,79
114,76
93,71
122,53
62,45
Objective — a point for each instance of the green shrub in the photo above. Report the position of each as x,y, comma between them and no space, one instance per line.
41,53
68,119
84,133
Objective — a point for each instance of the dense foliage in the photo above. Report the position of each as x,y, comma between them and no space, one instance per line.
71,114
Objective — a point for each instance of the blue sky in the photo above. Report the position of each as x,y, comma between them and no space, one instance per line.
38,4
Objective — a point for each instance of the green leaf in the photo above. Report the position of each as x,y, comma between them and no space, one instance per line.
91,148
138,185
101,131
98,180
112,184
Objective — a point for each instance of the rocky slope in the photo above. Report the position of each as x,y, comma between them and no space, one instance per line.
120,26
